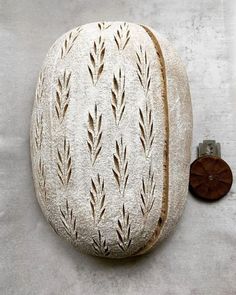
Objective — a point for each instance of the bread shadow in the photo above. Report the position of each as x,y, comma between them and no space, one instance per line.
130,261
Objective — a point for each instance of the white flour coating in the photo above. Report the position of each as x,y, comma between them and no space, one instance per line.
110,138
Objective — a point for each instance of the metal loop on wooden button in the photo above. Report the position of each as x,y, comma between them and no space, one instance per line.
210,176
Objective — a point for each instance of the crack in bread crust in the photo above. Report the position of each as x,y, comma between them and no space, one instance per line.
165,192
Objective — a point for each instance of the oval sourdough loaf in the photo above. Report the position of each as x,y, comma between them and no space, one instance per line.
110,138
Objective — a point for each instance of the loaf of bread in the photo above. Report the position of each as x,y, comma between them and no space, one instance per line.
110,138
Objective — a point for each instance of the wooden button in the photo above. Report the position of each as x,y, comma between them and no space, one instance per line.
210,178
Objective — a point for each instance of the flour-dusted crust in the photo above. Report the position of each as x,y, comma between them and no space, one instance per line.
110,138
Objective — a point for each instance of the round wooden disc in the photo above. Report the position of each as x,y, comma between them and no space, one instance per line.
210,178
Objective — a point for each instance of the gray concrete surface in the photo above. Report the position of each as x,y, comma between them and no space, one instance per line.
199,258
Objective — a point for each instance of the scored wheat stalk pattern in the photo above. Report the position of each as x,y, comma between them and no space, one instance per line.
69,221
97,199
143,69
38,131
96,57
122,36
124,230
100,245
146,129
64,165
69,42
40,88
165,186
118,96
62,95
42,178
147,194
103,26
94,131
120,170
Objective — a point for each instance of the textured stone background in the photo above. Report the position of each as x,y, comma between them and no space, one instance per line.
200,257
